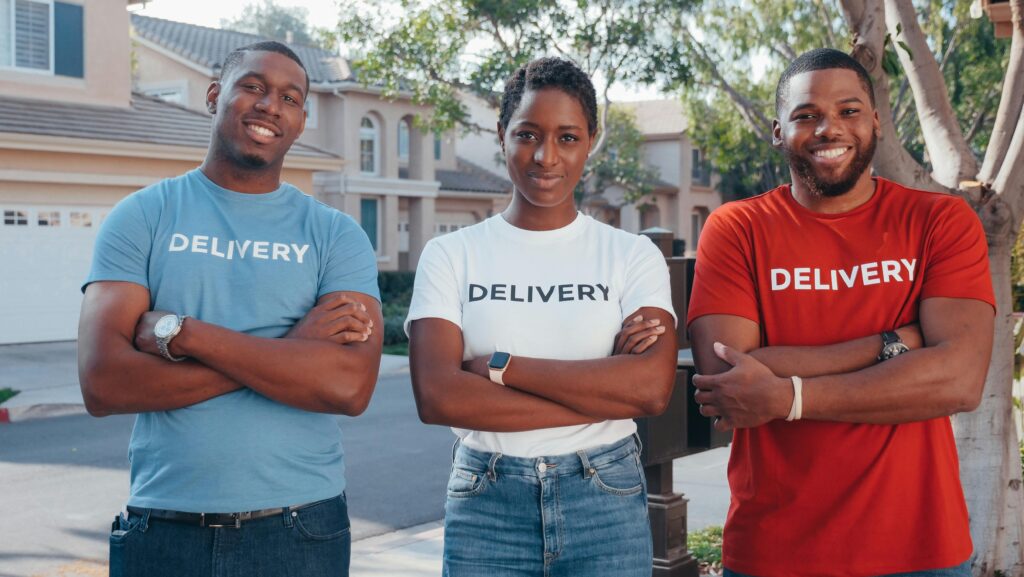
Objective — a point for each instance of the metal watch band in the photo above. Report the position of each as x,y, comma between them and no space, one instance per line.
162,344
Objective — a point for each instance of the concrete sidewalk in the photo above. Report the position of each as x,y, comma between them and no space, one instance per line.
47,376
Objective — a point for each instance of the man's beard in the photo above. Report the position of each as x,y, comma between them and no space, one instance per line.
843,182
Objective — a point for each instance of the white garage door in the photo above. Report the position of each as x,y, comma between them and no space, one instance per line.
45,252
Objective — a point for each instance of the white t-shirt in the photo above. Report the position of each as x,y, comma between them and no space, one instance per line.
559,294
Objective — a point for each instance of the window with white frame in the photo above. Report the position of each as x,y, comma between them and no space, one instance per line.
48,218
369,146
81,219
26,39
15,218
312,110
403,141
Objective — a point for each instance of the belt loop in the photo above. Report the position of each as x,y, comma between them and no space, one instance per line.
289,517
588,471
455,447
144,522
639,443
491,472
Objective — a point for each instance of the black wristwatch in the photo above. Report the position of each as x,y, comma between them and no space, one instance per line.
892,345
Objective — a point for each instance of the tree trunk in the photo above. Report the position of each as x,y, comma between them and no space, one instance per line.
987,442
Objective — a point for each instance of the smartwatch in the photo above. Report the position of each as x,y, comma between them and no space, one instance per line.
497,366
892,345
165,330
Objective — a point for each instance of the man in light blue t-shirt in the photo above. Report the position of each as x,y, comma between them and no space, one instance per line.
235,315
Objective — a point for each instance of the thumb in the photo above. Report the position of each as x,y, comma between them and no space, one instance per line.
728,354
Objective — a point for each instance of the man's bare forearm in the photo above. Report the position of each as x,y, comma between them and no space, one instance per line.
314,375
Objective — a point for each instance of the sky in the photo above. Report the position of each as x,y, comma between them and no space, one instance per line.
210,13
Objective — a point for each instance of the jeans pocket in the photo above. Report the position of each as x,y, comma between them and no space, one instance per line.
323,521
465,483
119,532
620,477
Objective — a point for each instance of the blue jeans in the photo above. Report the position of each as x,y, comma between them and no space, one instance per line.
313,541
582,513
962,570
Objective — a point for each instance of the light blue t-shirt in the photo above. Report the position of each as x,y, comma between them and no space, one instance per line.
253,263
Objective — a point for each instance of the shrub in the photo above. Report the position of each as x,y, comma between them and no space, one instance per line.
706,546
395,294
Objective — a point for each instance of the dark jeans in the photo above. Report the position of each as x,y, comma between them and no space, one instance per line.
962,570
313,542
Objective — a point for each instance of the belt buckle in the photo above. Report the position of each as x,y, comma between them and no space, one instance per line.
236,525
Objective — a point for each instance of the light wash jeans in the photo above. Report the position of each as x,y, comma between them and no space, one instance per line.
962,570
576,514
313,542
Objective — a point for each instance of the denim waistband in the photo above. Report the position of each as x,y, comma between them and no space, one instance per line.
580,462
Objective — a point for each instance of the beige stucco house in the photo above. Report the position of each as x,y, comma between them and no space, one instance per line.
403,185
75,139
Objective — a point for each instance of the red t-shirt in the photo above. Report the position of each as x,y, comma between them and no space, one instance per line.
813,498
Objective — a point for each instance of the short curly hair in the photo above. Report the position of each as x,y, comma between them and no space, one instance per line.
234,58
821,59
550,72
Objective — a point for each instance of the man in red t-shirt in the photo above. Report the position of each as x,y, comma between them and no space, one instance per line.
837,322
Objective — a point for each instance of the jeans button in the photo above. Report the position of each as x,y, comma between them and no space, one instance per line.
542,467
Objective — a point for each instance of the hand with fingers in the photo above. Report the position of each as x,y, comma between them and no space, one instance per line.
637,335
336,318
747,395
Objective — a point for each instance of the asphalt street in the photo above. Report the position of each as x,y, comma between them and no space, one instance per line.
63,479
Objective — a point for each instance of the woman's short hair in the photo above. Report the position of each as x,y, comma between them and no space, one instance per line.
550,72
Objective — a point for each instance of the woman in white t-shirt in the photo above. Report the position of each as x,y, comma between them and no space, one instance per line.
538,335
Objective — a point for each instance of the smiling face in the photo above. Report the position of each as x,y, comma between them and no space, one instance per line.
258,111
546,145
828,132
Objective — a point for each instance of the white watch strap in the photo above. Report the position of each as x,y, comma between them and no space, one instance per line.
496,376
796,411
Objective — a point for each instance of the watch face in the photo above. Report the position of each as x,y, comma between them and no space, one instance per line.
499,361
165,326
893,349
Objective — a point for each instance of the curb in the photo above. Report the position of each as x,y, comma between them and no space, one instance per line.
18,414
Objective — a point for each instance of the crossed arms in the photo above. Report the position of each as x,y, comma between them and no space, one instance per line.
542,393
943,373
327,362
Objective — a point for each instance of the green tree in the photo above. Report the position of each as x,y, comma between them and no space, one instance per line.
268,19
437,49
950,99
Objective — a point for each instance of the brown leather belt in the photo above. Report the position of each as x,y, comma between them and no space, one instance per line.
214,520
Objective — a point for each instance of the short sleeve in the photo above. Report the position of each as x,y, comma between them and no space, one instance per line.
957,263
351,263
647,282
723,281
435,293
123,245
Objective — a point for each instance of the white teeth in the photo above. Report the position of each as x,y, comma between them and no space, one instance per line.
830,153
260,130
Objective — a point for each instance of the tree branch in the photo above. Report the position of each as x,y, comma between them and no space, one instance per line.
604,121
1011,102
866,19
979,118
758,122
826,21
953,161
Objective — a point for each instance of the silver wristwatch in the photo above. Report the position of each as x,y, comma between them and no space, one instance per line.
892,345
165,330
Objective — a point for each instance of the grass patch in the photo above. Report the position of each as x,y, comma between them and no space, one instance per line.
706,547
6,393
397,349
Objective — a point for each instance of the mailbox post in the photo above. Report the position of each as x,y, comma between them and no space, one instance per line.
681,430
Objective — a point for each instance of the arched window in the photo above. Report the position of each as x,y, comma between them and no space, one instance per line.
403,141
369,147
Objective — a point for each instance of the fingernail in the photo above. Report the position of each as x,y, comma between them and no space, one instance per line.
365,336
659,329
652,338
362,306
638,319
655,322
